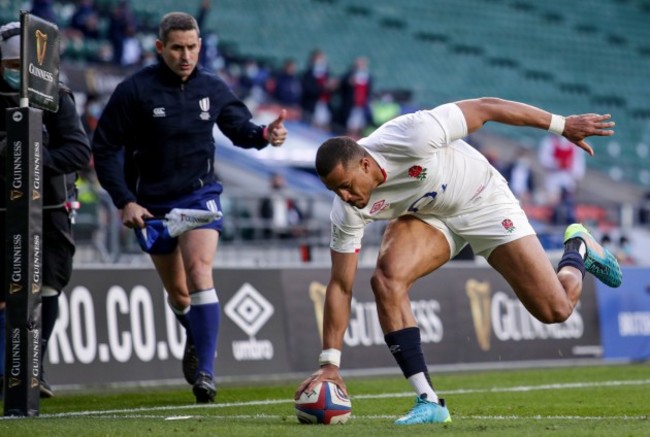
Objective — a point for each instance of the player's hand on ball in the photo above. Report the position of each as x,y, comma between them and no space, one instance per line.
326,405
328,372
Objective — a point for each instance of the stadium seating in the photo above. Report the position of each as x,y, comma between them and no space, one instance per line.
568,57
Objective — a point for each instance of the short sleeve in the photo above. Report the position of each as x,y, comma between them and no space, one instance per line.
347,229
452,120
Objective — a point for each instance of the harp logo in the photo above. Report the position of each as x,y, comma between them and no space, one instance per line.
41,46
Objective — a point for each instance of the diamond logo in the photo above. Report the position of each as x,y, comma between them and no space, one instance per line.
249,309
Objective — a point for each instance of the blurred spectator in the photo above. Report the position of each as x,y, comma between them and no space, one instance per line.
644,209
45,10
122,24
286,87
209,57
92,110
89,220
239,220
355,90
564,208
316,91
85,20
131,48
624,251
519,175
252,82
384,108
204,9
606,242
282,217
564,166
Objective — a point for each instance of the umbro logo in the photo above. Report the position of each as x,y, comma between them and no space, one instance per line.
159,112
379,206
249,309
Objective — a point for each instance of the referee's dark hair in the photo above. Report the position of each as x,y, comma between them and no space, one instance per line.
176,21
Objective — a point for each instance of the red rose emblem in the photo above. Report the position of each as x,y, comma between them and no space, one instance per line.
418,172
508,225
415,171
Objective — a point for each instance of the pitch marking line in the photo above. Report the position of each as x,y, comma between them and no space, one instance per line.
133,412
278,417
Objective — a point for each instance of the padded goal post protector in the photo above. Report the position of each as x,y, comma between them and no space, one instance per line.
23,260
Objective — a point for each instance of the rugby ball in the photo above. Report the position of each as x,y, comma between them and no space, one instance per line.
325,404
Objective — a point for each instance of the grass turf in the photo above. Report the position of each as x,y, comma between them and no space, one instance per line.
577,401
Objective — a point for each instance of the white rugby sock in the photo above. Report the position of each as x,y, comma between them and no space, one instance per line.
421,386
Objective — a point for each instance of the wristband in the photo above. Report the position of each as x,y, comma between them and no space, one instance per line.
557,124
265,133
330,356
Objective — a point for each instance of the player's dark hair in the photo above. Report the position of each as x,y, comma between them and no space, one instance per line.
176,21
337,150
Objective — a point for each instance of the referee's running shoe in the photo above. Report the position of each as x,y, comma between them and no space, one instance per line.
425,411
204,388
190,362
598,260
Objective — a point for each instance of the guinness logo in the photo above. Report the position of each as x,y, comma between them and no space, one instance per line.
36,288
15,288
41,46
14,382
35,383
35,195
479,302
317,296
15,194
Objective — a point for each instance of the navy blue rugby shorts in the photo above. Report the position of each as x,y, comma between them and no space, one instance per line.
206,198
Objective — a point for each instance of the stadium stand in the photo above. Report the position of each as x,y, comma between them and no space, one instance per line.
564,56
568,57
555,55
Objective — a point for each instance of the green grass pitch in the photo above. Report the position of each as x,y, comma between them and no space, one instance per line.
575,401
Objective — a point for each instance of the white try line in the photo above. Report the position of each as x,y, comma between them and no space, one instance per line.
135,412
390,417
521,388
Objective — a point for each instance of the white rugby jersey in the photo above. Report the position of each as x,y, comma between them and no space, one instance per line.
428,168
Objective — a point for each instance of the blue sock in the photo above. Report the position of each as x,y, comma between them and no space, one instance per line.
204,318
2,343
406,347
572,258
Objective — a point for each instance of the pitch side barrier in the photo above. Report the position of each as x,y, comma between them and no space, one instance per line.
114,326
625,316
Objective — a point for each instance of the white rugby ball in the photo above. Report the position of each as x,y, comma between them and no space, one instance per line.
325,404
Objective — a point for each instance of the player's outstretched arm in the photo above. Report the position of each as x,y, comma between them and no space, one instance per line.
576,128
336,317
